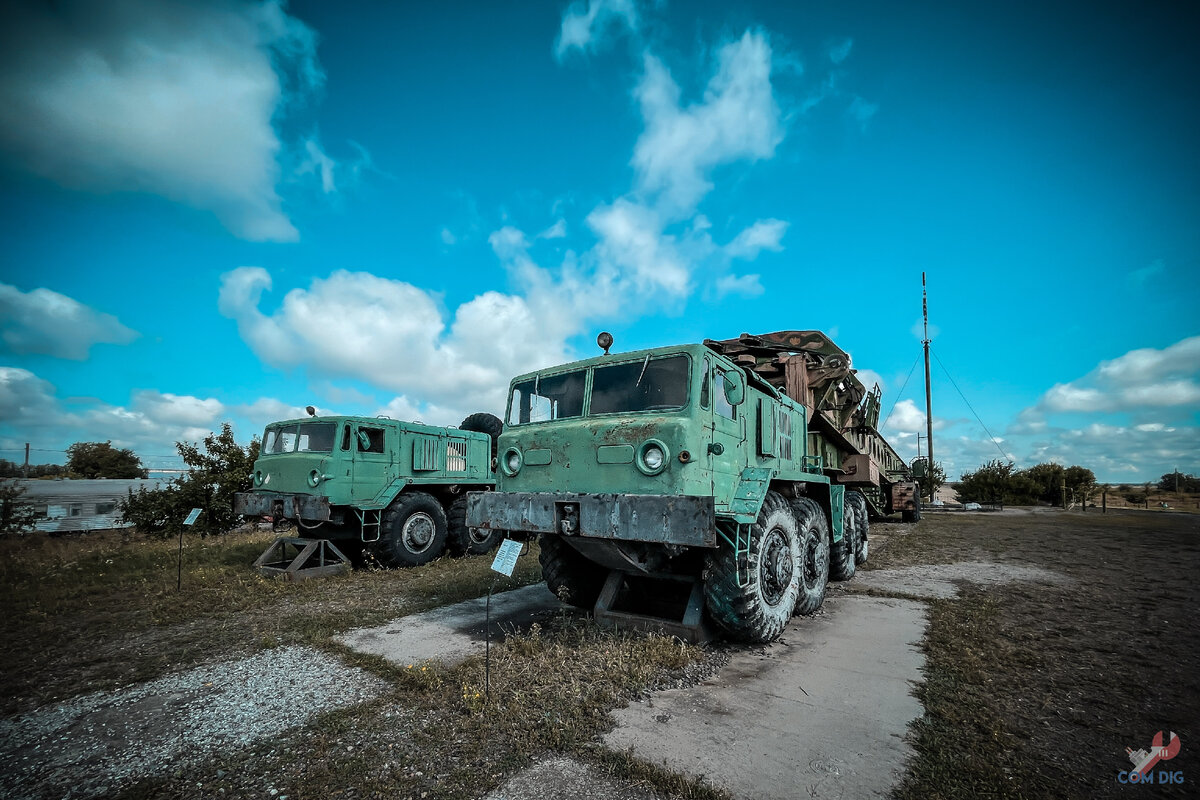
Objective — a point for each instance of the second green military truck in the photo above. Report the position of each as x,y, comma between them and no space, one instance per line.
396,489
740,472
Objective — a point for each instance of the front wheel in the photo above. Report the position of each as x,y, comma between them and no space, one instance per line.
414,531
571,577
758,611
462,540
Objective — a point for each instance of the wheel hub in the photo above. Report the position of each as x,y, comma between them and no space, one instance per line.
776,567
418,532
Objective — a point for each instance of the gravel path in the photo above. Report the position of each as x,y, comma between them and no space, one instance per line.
95,744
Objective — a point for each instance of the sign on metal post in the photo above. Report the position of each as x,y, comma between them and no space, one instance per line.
188,521
504,563
506,557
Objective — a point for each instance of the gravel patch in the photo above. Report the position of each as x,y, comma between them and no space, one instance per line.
95,744
555,778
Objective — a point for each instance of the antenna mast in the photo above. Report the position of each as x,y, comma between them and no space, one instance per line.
928,394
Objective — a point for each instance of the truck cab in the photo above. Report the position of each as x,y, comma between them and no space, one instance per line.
397,488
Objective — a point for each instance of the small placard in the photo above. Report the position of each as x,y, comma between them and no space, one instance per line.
192,516
506,557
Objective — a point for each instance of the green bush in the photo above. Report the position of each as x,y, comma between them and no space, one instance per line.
215,474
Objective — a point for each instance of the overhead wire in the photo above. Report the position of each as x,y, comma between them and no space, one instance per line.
1007,457
901,392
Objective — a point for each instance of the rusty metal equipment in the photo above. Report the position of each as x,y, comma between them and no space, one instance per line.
295,559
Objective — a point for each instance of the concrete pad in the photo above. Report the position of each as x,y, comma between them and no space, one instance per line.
453,633
556,778
822,712
941,580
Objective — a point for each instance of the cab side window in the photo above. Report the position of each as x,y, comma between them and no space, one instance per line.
346,437
370,440
706,384
721,404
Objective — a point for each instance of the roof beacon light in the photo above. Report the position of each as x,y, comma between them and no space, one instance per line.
605,341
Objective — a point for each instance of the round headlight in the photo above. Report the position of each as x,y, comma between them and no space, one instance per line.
653,457
314,478
258,478
512,461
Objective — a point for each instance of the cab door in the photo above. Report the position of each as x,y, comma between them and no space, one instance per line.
726,427
372,453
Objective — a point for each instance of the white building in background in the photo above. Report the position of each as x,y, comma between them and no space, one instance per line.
79,505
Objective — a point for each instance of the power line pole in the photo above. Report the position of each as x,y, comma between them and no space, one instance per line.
26,474
928,393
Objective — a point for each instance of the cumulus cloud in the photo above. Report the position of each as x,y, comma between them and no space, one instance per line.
766,234
392,334
738,119
745,285
48,323
587,25
168,97
1142,378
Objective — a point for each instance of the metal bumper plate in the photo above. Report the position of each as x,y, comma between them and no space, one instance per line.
663,519
292,506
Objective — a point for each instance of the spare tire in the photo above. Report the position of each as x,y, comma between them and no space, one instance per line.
483,422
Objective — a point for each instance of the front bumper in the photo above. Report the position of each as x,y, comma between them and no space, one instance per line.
660,519
275,504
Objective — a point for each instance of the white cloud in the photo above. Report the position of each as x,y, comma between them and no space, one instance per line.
862,111
162,96
632,239
1142,378
870,378
393,335
839,50
585,25
448,237
556,231
46,322
738,119
1146,274
766,234
319,163
906,418
745,285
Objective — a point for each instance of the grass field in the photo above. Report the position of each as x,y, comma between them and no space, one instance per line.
1031,690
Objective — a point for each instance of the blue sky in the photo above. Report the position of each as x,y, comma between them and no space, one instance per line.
226,211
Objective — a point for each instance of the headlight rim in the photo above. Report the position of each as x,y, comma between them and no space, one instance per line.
645,447
506,467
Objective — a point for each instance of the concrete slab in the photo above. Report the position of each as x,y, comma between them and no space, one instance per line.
556,778
823,712
941,580
453,633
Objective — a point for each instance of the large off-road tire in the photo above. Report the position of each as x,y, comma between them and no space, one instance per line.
571,577
483,422
814,553
841,554
758,611
462,540
915,514
856,504
414,531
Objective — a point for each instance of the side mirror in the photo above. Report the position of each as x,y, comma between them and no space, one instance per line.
735,388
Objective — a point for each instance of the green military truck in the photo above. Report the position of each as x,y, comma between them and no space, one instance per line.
397,489
743,473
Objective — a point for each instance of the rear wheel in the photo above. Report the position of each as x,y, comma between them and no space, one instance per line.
571,577
842,554
915,514
856,504
758,611
814,552
414,531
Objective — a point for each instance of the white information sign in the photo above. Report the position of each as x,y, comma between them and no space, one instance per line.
506,557
192,516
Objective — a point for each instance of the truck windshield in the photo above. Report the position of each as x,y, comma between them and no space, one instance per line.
543,399
653,384
303,437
